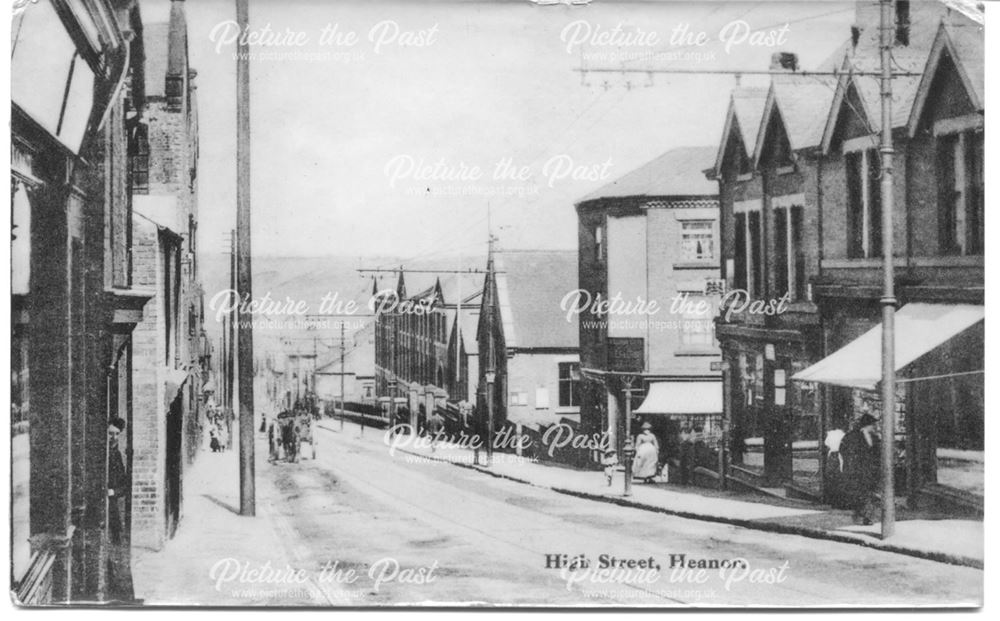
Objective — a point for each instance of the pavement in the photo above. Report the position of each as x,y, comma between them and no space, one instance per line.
214,541
953,541
328,529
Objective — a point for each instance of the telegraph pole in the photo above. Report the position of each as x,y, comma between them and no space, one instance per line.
629,450
243,280
888,300
491,370
231,344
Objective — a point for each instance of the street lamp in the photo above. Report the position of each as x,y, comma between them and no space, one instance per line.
491,377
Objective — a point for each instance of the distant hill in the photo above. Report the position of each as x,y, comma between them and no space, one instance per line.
308,280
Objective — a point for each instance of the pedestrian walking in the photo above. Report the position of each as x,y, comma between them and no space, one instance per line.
288,440
610,463
860,449
214,443
647,454
435,427
272,444
687,455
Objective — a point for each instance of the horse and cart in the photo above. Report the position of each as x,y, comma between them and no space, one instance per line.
290,430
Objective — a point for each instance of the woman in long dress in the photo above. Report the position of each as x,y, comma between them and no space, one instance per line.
647,454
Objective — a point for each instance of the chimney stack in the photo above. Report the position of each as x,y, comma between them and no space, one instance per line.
784,61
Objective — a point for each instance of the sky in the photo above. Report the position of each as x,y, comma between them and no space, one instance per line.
442,120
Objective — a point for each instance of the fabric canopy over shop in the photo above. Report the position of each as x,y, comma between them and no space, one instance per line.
920,328
683,398
173,380
161,210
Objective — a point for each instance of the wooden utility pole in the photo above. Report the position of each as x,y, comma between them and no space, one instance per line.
231,346
629,450
490,353
343,402
888,301
243,280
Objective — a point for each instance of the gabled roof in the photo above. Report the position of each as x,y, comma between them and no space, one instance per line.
467,286
746,106
469,325
965,45
925,21
677,172
530,287
801,103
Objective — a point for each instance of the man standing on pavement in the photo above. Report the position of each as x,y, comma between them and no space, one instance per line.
119,567
860,449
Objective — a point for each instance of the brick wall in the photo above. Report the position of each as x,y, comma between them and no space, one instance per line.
148,434
172,161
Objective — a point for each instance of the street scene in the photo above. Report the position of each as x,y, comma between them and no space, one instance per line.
542,304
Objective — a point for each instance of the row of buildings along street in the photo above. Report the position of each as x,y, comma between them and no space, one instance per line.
723,304
784,210
108,351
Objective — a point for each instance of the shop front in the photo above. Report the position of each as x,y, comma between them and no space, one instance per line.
939,400
686,418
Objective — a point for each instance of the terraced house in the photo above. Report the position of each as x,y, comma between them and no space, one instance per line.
801,217
77,93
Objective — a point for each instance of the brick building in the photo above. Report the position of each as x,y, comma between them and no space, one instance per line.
801,215
529,345
938,245
412,339
651,237
769,211
77,92
168,341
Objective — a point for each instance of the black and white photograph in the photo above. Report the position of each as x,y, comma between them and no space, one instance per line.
487,304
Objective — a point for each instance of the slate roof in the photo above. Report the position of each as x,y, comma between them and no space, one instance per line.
965,44
746,106
969,43
470,329
677,172
926,19
803,102
530,286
